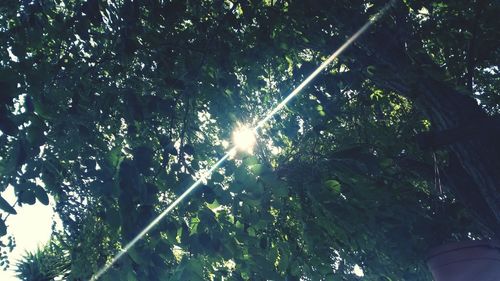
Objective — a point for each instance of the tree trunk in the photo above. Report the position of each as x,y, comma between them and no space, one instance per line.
479,155
475,141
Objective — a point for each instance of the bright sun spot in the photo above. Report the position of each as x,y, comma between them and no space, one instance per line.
244,139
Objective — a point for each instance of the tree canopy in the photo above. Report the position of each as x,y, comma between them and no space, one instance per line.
115,107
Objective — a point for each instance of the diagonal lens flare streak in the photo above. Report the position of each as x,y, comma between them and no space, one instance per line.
233,150
162,215
320,68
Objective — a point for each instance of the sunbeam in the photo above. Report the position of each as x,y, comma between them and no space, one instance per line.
244,138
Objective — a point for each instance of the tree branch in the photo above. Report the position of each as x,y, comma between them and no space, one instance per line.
471,58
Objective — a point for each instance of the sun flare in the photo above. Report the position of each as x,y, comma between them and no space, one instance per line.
244,139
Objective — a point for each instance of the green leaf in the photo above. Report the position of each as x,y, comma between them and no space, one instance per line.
242,176
188,149
113,217
9,165
113,156
139,256
320,110
258,169
163,249
250,160
143,157
280,190
208,194
4,205
171,229
43,110
333,185
386,163
193,225
131,276
3,228
41,195
28,197
277,186
112,275
193,271
35,133
370,70
204,239
7,126
217,178
263,243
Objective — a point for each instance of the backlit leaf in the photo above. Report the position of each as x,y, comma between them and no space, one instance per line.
4,205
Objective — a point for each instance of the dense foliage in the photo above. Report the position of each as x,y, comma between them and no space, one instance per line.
113,108
44,264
